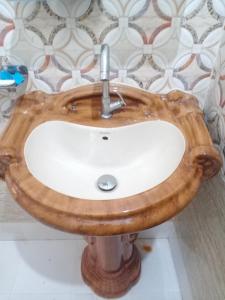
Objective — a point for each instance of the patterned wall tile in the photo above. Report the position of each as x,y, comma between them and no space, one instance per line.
157,45
215,111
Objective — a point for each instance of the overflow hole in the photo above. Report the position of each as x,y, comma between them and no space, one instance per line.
105,138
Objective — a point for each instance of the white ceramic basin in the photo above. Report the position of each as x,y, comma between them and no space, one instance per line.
69,158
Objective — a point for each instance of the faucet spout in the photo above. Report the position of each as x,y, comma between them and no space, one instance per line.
107,106
104,62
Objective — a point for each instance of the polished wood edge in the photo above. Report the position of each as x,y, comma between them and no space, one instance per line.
130,214
151,214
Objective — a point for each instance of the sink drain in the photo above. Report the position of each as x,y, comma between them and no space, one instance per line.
106,183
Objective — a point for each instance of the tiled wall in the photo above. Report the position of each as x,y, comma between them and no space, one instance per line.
157,45
215,105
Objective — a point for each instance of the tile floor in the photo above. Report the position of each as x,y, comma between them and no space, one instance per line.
50,270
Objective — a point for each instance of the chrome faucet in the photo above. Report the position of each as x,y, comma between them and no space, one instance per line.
107,105
12,89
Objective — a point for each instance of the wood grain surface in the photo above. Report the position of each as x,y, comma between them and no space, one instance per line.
108,217
111,265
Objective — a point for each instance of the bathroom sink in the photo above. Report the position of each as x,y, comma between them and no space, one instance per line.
156,151
72,157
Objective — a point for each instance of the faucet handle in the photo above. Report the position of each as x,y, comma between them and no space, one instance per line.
118,103
122,101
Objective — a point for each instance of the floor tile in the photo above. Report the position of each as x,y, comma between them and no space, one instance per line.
50,267
83,296
74,296
158,276
9,263
173,296
150,295
40,297
50,270
4,296
60,296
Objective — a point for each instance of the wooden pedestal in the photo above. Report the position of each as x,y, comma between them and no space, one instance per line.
111,265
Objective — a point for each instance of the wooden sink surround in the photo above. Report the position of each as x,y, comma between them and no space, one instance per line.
110,262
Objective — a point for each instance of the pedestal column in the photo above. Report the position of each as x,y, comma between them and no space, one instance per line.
111,265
